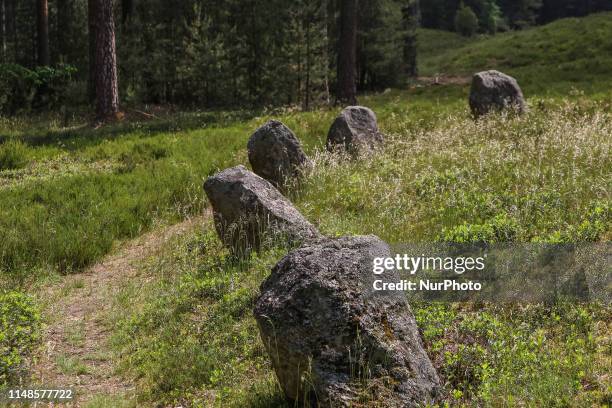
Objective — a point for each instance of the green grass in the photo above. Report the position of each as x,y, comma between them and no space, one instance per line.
87,189
96,189
433,44
190,335
551,59
71,365
108,401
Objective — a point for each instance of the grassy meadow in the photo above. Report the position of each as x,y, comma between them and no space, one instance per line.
184,331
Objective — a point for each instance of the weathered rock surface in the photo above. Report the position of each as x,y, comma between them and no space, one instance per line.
325,328
354,130
276,154
248,210
495,91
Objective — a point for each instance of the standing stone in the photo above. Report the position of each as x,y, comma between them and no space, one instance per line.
354,130
248,209
276,154
325,329
495,91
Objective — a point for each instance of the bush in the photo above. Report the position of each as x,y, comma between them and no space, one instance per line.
466,21
19,332
21,89
13,155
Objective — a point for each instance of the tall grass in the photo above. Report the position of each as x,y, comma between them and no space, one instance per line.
549,172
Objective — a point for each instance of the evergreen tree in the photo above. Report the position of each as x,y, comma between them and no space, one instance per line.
466,22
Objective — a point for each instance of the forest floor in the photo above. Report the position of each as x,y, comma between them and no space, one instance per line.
75,349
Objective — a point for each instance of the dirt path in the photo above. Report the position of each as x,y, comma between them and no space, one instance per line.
75,352
445,80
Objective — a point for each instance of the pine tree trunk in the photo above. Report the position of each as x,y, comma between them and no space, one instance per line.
105,71
43,32
347,53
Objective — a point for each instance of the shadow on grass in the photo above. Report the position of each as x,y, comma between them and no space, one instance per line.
84,135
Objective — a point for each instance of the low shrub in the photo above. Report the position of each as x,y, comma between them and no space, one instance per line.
21,89
19,332
502,355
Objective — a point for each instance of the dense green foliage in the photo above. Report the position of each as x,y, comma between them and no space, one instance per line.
528,355
19,332
275,53
230,53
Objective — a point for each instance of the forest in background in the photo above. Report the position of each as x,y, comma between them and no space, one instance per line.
231,53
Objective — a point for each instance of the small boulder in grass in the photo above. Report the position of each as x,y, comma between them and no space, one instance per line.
326,330
494,91
248,211
275,154
354,130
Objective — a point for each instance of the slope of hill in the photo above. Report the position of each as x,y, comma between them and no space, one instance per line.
573,52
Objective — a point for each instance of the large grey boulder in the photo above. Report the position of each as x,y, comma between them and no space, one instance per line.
495,91
276,154
248,210
354,130
326,330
